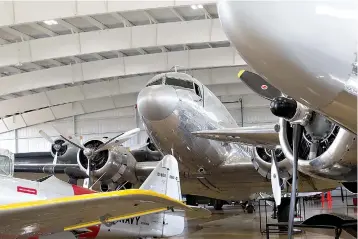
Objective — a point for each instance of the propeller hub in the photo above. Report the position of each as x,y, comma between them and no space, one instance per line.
283,107
88,152
57,147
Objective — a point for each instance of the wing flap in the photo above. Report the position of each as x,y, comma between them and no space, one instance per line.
68,213
263,136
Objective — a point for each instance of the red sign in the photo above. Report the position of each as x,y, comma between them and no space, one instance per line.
27,190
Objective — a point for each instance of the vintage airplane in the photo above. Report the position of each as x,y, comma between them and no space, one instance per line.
306,56
307,50
51,208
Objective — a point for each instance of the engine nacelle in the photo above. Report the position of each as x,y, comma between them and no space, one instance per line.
326,150
262,162
66,153
109,165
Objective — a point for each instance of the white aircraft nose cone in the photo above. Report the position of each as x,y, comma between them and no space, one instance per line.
157,102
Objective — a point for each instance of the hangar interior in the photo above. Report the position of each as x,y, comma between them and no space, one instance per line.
84,70
77,67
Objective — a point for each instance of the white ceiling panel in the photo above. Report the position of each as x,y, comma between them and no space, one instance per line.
14,122
90,7
6,12
67,110
28,11
65,95
145,63
106,40
103,69
215,57
97,90
184,32
38,116
21,104
93,105
61,46
144,36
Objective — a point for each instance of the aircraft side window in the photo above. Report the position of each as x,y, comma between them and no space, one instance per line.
197,90
156,82
180,83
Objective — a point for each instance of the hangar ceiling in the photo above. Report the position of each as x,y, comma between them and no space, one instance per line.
80,57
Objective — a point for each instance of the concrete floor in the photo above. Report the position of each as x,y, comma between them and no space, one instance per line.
232,222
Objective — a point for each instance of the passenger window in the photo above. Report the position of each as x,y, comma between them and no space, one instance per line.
180,83
156,82
197,90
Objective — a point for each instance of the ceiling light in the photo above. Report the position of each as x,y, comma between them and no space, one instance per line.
50,22
194,7
200,6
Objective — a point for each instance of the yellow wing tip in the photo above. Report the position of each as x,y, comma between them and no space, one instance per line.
240,73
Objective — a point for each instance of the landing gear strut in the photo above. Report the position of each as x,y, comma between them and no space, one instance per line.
218,204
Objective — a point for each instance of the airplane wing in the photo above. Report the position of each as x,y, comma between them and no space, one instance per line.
69,213
257,135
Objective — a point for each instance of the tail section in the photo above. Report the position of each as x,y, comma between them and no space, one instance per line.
165,179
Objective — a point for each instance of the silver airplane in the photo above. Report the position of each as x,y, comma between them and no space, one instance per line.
306,49
306,52
175,108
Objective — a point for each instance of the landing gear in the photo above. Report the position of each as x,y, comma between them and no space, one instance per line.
218,204
248,207
191,200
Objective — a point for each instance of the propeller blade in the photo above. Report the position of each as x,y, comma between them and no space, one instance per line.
71,142
67,136
118,140
297,135
46,136
275,179
259,85
55,158
313,149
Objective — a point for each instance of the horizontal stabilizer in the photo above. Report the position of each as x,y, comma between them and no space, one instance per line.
263,136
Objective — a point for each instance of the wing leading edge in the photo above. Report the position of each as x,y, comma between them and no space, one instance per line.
263,136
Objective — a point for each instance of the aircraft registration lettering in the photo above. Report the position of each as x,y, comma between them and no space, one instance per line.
132,221
163,175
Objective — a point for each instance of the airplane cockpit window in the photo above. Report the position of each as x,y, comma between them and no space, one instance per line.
197,89
156,82
179,83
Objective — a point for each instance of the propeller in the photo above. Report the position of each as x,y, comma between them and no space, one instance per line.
297,135
56,145
259,85
91,153
275,179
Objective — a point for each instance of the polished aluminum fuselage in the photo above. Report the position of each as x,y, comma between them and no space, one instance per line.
208,167
306,49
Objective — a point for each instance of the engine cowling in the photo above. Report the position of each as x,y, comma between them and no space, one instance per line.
66,153
326,150
109,165
262,161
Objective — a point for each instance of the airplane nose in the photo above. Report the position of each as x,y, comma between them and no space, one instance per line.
157,102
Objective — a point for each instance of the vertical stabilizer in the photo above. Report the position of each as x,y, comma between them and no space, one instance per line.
165,178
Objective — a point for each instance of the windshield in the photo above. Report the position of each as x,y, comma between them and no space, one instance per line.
179,83
156,82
